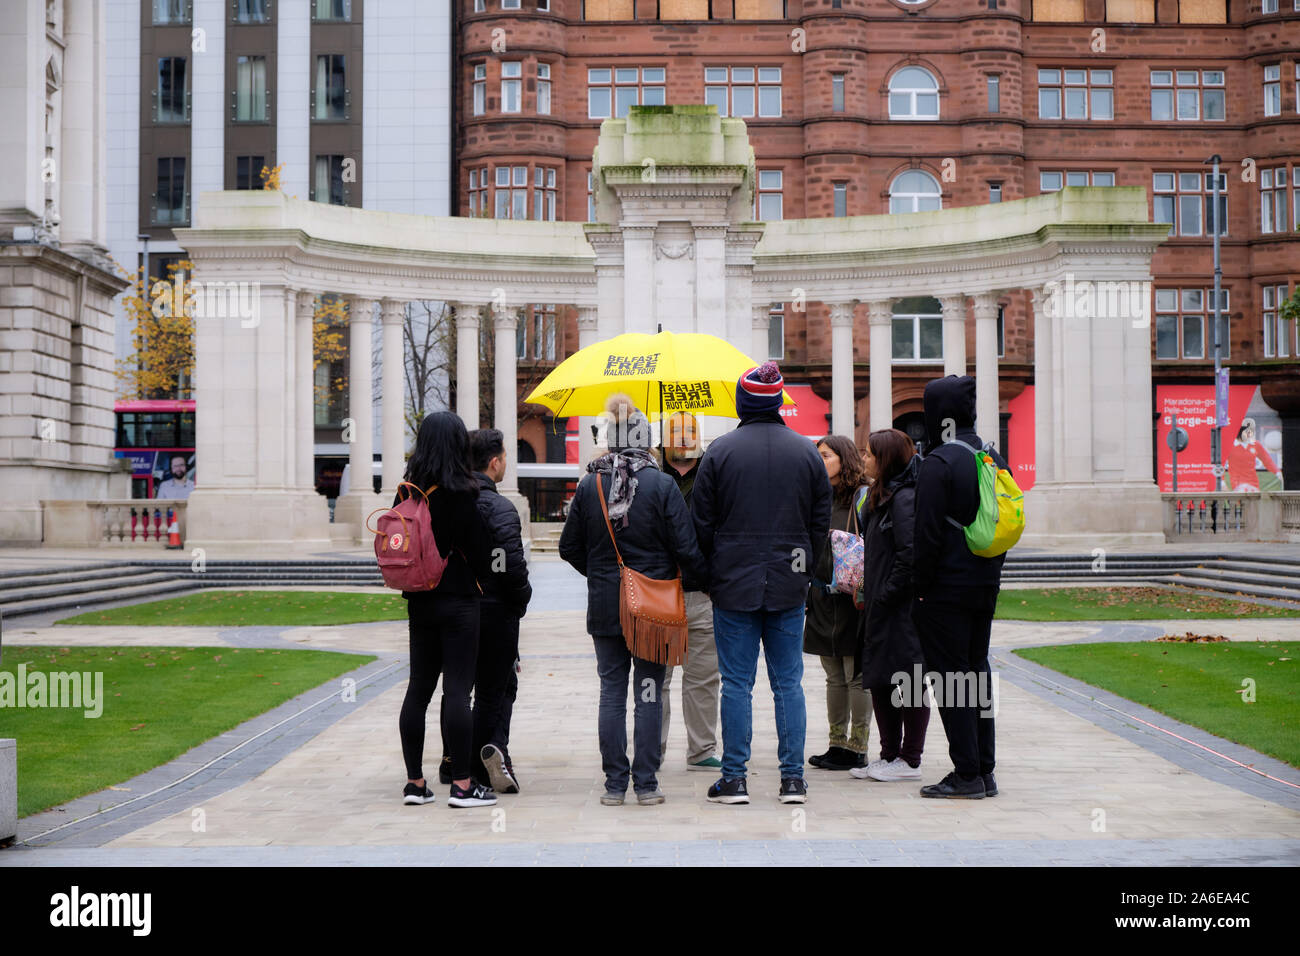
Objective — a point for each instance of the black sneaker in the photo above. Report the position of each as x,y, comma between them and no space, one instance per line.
444,770
793,790
955,788
990,786
838,758
476,796
729,791
498,772
416,794
819,760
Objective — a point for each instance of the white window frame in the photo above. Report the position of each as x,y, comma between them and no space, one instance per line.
1273,89
1181,191
480,89
1268,6
753,79
1175,82
1177,307
915,197
912,92
650,84
1278,338
1097,87
776,331
544,89
769,191
916,319
511,5
512,85
1273,203
839,191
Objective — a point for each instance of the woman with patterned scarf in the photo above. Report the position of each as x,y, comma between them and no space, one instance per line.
656,537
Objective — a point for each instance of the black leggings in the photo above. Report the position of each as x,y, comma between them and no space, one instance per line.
444,640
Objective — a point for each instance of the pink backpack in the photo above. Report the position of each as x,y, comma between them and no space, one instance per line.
404,546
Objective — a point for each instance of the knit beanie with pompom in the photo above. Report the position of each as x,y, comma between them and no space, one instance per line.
759,391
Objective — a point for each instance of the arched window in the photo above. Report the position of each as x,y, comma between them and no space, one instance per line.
914,191
913,95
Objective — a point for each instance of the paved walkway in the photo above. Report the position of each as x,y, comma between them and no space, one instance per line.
1085,777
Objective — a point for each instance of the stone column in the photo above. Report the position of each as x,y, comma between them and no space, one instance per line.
588,334
467,333
638,279
506,396
762,326
305,387
710,277
291,393
1092,409
954,334
881,316
842,368
1046,384
987,423
82,152
352,508
393,316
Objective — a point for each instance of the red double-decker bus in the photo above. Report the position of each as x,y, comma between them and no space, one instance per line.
157,435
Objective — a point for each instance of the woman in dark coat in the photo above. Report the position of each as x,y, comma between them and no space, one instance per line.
656,537
890,645
444,622
831,623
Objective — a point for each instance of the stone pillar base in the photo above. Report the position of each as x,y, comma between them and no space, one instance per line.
8,789
352,509
521,505
257,518
1086,516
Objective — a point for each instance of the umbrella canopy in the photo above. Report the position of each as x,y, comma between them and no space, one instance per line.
696,372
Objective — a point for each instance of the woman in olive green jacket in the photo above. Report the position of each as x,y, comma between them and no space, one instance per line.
832,620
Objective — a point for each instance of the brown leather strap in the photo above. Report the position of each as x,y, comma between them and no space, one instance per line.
600,492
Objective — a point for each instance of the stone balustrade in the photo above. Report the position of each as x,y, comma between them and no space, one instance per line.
1240,516
117,522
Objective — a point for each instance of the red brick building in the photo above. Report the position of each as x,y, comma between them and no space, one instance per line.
860,107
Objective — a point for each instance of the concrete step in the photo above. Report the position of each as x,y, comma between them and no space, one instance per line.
1241,580
75,602
27,580
17,596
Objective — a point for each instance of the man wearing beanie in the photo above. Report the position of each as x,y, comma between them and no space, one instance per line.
762,507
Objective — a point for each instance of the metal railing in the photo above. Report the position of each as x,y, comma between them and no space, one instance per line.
1248,516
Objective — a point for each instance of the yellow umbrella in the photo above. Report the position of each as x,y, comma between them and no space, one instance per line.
663,373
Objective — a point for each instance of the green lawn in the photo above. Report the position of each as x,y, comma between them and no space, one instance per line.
157,703
1199,684
237,608
1125,604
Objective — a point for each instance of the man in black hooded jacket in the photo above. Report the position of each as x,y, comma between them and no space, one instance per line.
506,593
956,592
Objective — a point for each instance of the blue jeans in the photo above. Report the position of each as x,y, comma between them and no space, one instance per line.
737,635
613,663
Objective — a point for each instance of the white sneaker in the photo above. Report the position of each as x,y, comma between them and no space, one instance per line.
863,773
896,769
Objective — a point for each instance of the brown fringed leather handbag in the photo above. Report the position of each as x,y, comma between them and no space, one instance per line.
652,611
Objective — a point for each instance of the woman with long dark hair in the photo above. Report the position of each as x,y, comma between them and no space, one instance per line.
890,645
831,624
444,622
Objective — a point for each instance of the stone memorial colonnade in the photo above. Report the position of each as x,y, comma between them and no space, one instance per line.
673,247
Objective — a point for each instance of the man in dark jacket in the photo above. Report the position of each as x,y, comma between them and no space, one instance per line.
956,592
762,507
506,593
648,518
682,453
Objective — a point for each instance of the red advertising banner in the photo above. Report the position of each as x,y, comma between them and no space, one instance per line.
1020,438
808,415
1252,439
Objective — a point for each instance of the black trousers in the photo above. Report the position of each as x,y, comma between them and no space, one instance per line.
444,642
955,645
495,681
